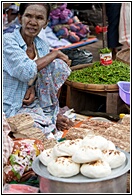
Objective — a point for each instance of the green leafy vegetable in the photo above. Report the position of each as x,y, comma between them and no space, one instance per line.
104,50
99,74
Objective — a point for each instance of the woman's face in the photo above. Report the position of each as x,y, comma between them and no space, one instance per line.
33,20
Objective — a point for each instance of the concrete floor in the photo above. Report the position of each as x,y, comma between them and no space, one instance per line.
94,47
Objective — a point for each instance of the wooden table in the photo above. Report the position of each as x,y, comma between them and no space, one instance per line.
89,100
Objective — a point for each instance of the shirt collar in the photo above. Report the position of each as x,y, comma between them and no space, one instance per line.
21,40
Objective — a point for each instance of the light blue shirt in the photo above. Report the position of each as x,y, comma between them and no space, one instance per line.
18,69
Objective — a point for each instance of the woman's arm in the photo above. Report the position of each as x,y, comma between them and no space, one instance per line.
18,65
44,61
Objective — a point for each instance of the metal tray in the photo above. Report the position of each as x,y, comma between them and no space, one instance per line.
42,171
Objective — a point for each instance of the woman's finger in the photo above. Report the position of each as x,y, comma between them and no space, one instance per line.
27,95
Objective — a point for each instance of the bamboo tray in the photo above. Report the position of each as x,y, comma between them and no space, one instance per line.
124,56
91,87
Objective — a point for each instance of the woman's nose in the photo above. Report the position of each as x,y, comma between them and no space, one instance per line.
33,21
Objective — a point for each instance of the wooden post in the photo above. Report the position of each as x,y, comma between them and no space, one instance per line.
112,103
104,33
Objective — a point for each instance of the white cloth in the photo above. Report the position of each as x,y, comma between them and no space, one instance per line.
124,25
53,40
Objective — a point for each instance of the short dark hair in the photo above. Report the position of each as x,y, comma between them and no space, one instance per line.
23,7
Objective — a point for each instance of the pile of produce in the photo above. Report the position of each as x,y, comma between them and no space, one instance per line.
99,74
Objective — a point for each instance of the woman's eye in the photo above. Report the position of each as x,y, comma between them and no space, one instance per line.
28,15
40,18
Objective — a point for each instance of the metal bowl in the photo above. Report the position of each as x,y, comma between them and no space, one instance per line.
116,182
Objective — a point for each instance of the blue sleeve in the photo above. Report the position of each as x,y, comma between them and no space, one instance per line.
15,60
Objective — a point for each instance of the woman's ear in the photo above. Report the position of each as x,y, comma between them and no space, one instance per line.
46,24
20,18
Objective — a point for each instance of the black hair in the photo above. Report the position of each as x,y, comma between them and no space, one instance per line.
23,7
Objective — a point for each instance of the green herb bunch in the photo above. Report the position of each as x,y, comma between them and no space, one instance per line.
104,50
98,74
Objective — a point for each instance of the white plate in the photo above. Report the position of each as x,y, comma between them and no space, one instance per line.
100,119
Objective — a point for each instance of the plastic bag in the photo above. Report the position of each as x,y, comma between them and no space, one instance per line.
124,25
78,56
19,188
19,165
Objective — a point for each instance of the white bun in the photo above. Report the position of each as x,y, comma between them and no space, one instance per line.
46,156
98,169
66,147
63,167
87,154
111,145
115,158
95,141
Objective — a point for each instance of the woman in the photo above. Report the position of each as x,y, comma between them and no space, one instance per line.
26,57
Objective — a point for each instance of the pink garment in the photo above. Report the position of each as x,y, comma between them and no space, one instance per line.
7,141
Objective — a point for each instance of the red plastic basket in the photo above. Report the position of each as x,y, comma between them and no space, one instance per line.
124,91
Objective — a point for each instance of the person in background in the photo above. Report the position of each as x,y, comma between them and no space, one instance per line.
113,16
28,61
12,12
11,18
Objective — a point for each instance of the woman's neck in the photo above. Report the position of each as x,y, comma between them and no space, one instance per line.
28,40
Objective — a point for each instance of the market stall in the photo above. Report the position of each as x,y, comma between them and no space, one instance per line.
93,156
109,136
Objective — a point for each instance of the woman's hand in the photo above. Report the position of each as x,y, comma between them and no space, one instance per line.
29,96
64,57
63,123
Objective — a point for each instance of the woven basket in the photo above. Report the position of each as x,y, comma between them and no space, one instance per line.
124,56
91,87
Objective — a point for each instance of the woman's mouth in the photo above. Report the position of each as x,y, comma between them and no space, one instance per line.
32,30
